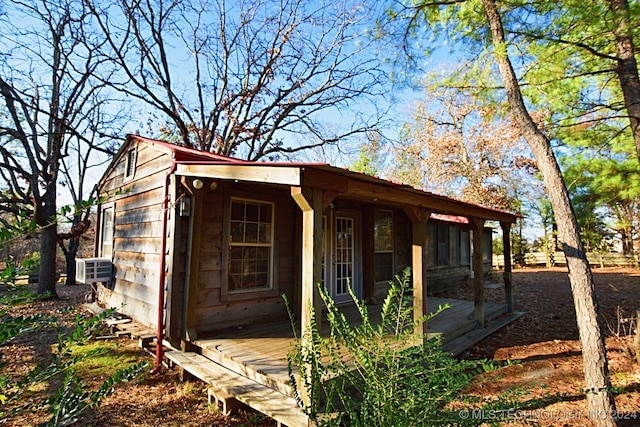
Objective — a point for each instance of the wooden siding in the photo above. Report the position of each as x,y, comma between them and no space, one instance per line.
196,249
213,312
137,234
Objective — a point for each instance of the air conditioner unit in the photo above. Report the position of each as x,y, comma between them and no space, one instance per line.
91,270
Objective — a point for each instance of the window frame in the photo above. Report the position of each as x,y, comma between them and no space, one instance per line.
465,247
130,164
103,210
227,293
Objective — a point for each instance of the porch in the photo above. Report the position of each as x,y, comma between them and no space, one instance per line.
257,354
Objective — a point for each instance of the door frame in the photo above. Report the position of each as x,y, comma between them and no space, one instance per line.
330,269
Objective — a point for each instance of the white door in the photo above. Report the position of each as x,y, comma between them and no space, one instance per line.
344,269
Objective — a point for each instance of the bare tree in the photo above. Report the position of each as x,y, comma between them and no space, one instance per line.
52,103
460,147
252,78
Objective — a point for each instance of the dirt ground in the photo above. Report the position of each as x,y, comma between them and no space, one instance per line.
545,342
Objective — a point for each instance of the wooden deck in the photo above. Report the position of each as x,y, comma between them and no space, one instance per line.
259,352
248,365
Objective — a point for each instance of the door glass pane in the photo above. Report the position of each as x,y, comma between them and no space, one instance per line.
344,254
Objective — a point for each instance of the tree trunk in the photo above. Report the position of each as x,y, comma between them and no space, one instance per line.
627,67
48,247
636,339
45,216
600,400
70,253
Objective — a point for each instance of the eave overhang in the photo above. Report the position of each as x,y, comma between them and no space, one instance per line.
342,183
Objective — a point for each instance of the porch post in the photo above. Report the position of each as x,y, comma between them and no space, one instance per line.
311,206
508,284
419,218
478,274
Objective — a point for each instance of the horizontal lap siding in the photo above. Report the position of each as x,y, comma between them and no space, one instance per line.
137,235
212,313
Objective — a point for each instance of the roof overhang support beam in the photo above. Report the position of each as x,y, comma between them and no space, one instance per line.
283,175
310,203
477,224
419,218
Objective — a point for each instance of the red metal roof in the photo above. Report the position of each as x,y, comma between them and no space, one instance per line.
193,156
183,153
450,218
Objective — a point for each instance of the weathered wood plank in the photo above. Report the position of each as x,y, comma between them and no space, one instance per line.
145,260
142,214
211,261
252,173
276,405
277,379
138,230
147,245
148,278
239,312
137,305
148,161
462,343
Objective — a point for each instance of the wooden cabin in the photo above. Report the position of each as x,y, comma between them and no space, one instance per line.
203,244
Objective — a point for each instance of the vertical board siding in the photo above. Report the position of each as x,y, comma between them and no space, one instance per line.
211,312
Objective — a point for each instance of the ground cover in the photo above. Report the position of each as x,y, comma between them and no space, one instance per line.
544,341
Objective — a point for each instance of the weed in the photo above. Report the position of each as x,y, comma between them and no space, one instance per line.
380,375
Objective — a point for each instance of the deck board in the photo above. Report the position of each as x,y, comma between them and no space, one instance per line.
276,405
260,351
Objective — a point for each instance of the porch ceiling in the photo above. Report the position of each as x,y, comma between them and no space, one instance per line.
342,183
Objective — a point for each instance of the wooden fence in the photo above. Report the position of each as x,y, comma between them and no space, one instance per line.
531,259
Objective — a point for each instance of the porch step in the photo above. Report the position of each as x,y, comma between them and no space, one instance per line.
123,326
228,385
458,345
457,321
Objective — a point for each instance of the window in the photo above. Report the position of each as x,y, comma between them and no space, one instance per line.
250,245
383,245
465,248
106,232
130,164
431,250
454,245
447,245
443,244
487,243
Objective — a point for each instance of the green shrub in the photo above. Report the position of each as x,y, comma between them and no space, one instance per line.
379,374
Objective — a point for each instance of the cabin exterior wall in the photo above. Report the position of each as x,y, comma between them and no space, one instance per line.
208,287
218,304
134,195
